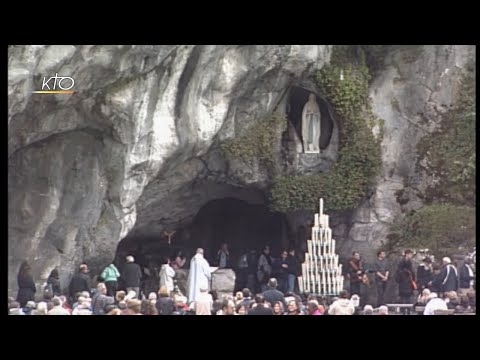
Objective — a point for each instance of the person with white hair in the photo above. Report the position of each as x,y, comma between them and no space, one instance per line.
57,308
29,307
41,309
423,297
199,275
80,301
448,276
83,307
132,275
84,295
368,310
435,303
203,304
383,310
130,295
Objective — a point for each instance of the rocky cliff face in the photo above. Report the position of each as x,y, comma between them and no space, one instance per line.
417,86
142,121
134,150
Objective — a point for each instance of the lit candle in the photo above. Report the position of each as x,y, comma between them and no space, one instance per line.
316,220
321,206
309,243
333,247
326,221
300,284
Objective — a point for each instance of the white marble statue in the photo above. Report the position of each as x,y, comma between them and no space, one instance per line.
311,125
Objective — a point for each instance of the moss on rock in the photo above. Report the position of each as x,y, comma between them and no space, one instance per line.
448,154
258,141
442,228
345,83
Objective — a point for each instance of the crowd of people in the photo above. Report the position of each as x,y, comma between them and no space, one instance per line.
440,286
268,286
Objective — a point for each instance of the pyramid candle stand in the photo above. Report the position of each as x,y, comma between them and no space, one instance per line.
321,272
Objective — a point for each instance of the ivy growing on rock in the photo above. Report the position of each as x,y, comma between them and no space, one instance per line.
258,141
441,228
345,83
449,153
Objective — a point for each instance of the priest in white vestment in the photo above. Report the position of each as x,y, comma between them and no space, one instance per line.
199,275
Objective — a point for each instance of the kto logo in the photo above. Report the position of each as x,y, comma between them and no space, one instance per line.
52,84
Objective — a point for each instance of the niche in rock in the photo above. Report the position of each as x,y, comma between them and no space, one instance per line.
298,98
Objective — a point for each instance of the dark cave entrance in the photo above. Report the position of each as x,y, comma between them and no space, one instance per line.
243,226
298,99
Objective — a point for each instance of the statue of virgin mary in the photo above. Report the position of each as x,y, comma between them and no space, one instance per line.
311,126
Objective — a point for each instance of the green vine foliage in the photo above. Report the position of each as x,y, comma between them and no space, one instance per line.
449,154
258,141
345,83
442,228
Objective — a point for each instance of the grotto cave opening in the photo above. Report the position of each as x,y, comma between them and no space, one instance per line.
242,225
